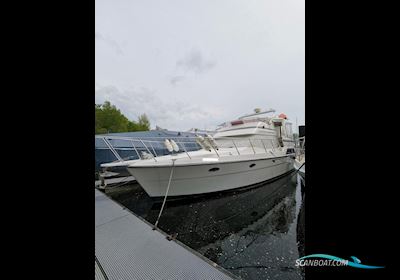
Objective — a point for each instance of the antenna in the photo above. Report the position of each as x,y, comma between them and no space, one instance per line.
258,113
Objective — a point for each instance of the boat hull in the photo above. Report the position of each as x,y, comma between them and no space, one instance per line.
209,178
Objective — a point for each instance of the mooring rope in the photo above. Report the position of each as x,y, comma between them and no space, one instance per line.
298,170
166,193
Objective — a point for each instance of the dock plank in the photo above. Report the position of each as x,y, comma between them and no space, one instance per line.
128,248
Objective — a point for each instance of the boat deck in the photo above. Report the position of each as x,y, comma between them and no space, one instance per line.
128,248
225,155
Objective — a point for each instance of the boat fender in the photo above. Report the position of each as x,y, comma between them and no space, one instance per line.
211,141
174,145
201,141
168,145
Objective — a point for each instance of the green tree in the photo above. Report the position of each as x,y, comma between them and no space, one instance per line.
144,122
109,119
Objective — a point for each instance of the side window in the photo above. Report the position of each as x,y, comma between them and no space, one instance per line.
290,151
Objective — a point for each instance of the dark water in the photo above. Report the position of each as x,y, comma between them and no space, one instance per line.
255,234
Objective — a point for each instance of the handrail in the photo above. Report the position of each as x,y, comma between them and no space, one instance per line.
136,150
163,138
145,138
240,144
112,149
212,146
184,148
251,144
233,141
153,149
147,149
265,148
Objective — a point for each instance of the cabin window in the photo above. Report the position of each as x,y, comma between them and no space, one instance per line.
252,165
237,122
290,151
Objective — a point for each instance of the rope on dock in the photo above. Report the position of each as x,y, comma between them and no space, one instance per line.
166,193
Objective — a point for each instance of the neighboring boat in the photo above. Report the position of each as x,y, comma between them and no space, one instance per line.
119,167
244,152
300,160
115,151
300,165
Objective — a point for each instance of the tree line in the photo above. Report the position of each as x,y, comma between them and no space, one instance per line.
109,119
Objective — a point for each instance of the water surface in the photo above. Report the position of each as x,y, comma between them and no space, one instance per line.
255,234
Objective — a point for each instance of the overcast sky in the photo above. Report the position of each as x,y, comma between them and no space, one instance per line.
199,63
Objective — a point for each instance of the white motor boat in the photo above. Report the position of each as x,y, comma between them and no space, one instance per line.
244,152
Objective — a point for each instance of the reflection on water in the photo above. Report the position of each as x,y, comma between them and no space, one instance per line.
255,234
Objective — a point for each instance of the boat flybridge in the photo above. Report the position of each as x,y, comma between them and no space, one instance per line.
259,126
247,151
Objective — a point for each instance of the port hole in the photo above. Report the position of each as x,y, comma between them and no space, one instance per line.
213,169
252,165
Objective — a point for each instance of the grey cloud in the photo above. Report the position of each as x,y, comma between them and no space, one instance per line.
243,55
195,62
174,114
110,42
176,79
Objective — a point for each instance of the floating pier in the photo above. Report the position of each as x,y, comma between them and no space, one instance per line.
115,181
127,247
